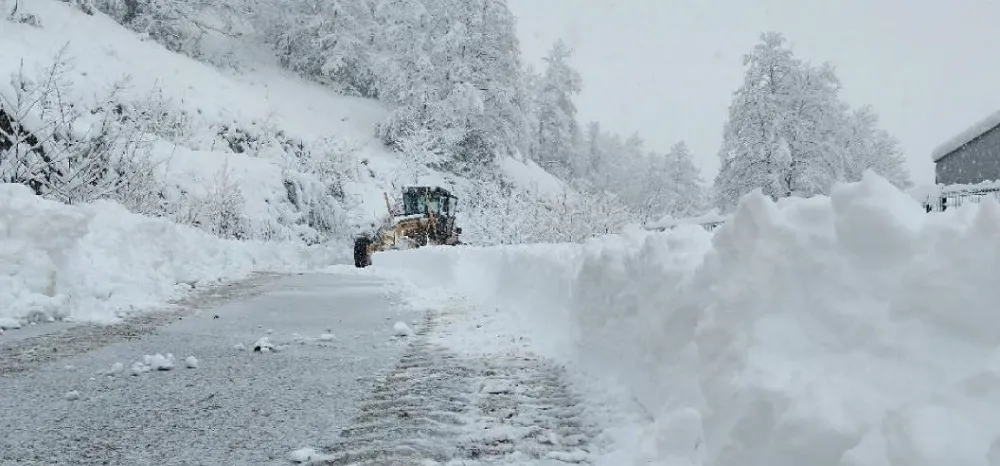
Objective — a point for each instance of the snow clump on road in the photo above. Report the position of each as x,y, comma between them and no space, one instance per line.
400,329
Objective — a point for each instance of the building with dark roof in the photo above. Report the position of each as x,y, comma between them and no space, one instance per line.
971,157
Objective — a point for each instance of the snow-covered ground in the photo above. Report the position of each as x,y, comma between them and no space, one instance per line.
849,330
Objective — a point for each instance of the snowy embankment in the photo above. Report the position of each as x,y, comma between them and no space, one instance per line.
849,330
93,262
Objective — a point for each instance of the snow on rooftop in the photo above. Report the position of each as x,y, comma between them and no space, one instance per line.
966,136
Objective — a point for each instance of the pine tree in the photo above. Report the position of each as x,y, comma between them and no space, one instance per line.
686,194
558,130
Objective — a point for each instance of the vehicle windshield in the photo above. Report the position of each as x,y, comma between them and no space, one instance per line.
414,204
421,204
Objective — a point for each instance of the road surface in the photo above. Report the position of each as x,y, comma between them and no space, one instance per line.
339,381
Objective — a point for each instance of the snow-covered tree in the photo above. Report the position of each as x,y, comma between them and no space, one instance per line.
869,146
789,134
558,132
331,41
686,194
464,84
813,117
592,150
754,145
180,25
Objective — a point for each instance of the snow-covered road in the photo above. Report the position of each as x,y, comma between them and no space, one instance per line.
237,407
340,381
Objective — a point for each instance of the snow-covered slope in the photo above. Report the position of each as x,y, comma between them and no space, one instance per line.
103,52
850,330
257,97
532,178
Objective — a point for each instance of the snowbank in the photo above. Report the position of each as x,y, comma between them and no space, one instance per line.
93,262
849,330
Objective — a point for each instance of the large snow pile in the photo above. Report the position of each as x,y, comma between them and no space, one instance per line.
92,262
853,329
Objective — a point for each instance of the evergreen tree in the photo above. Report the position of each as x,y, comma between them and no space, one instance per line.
558,130
686,195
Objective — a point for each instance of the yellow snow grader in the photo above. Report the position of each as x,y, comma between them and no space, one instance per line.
427,218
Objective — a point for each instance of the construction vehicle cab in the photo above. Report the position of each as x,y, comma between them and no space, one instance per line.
427,218
436,204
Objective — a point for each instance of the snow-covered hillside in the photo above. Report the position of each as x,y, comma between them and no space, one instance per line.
257,97
854,329
248,152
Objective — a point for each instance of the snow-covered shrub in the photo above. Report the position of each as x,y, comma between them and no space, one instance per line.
182,26
13,10
221,211
66,152
497,212
145,152
313,173
154,113
86,6
165,22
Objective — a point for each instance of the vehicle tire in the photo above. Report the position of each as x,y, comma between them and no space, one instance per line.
420,240
362,258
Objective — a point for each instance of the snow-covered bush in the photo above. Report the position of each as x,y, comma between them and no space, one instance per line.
13,10
147,153
66,152
498,212
169,23
86,6
313,172
195,28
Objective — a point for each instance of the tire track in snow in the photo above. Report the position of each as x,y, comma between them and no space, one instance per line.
436,407
526,409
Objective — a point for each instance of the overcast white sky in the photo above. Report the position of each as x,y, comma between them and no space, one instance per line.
667,68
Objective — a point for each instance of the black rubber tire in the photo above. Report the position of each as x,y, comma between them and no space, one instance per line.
362,258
